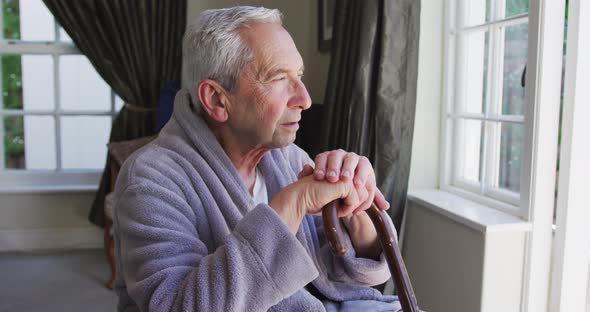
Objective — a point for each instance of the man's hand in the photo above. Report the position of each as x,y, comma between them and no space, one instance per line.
339,165
309,196
336,166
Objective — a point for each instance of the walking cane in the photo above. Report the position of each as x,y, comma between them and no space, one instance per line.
334,234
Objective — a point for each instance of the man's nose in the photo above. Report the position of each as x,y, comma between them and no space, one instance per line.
300,97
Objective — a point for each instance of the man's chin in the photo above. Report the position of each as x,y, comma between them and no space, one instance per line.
283,141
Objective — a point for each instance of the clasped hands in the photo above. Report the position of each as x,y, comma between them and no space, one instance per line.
337,175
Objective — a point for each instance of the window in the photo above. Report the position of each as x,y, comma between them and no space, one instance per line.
487,46
55,110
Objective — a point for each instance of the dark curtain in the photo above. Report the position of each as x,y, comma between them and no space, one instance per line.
136,47
371,92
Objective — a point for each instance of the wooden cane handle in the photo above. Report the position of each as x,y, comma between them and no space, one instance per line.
333,229
388,241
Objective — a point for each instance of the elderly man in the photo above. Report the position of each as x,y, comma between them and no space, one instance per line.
219,212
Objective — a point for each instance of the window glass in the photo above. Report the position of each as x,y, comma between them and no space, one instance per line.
10,19
29,142
63,35
118,103
40,142
473,62
81,88
469,147
84,141
478,12
474,12
14,142
511,148
515,7
38,82
27,82
12,83
515,57
36,22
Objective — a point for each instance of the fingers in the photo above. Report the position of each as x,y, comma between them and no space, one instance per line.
334,165
380,200
307,170
363,172
369,190
349,203
349,165
320,165
337,165
328,165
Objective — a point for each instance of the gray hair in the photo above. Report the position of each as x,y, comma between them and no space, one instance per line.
213,49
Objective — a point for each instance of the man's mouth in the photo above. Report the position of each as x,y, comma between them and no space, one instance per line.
291,125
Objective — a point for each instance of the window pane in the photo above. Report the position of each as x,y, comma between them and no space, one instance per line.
81,88
11,19
84,141
38,84
477,12
40,142
472,63
515,58
118,103
36,22
12,84
469,149
515,7
474,12
29,142
511,147
27,82
63,35
14,142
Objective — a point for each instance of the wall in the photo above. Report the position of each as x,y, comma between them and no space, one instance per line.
300,18
424,169
30,221
463,257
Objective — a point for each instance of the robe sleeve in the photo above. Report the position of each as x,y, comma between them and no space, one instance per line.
167,267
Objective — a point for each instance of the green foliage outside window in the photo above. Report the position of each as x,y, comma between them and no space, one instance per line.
14,147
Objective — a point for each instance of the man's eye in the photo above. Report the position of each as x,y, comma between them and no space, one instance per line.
279,78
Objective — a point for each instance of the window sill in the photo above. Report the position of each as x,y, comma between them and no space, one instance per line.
15,182
474,215
43,189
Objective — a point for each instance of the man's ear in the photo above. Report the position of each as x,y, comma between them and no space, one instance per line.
213,99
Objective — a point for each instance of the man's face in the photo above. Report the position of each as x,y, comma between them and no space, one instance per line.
266,106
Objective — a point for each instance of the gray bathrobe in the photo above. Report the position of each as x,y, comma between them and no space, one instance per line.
188,236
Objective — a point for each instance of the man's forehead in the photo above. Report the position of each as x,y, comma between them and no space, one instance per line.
273,49
270,65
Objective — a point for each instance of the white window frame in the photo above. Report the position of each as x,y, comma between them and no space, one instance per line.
450,181
58,179
569,265
543,89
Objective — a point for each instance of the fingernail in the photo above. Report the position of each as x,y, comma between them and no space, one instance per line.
331,173
320,172
346,173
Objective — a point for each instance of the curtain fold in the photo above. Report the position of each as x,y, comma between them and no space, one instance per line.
370,96
136,47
